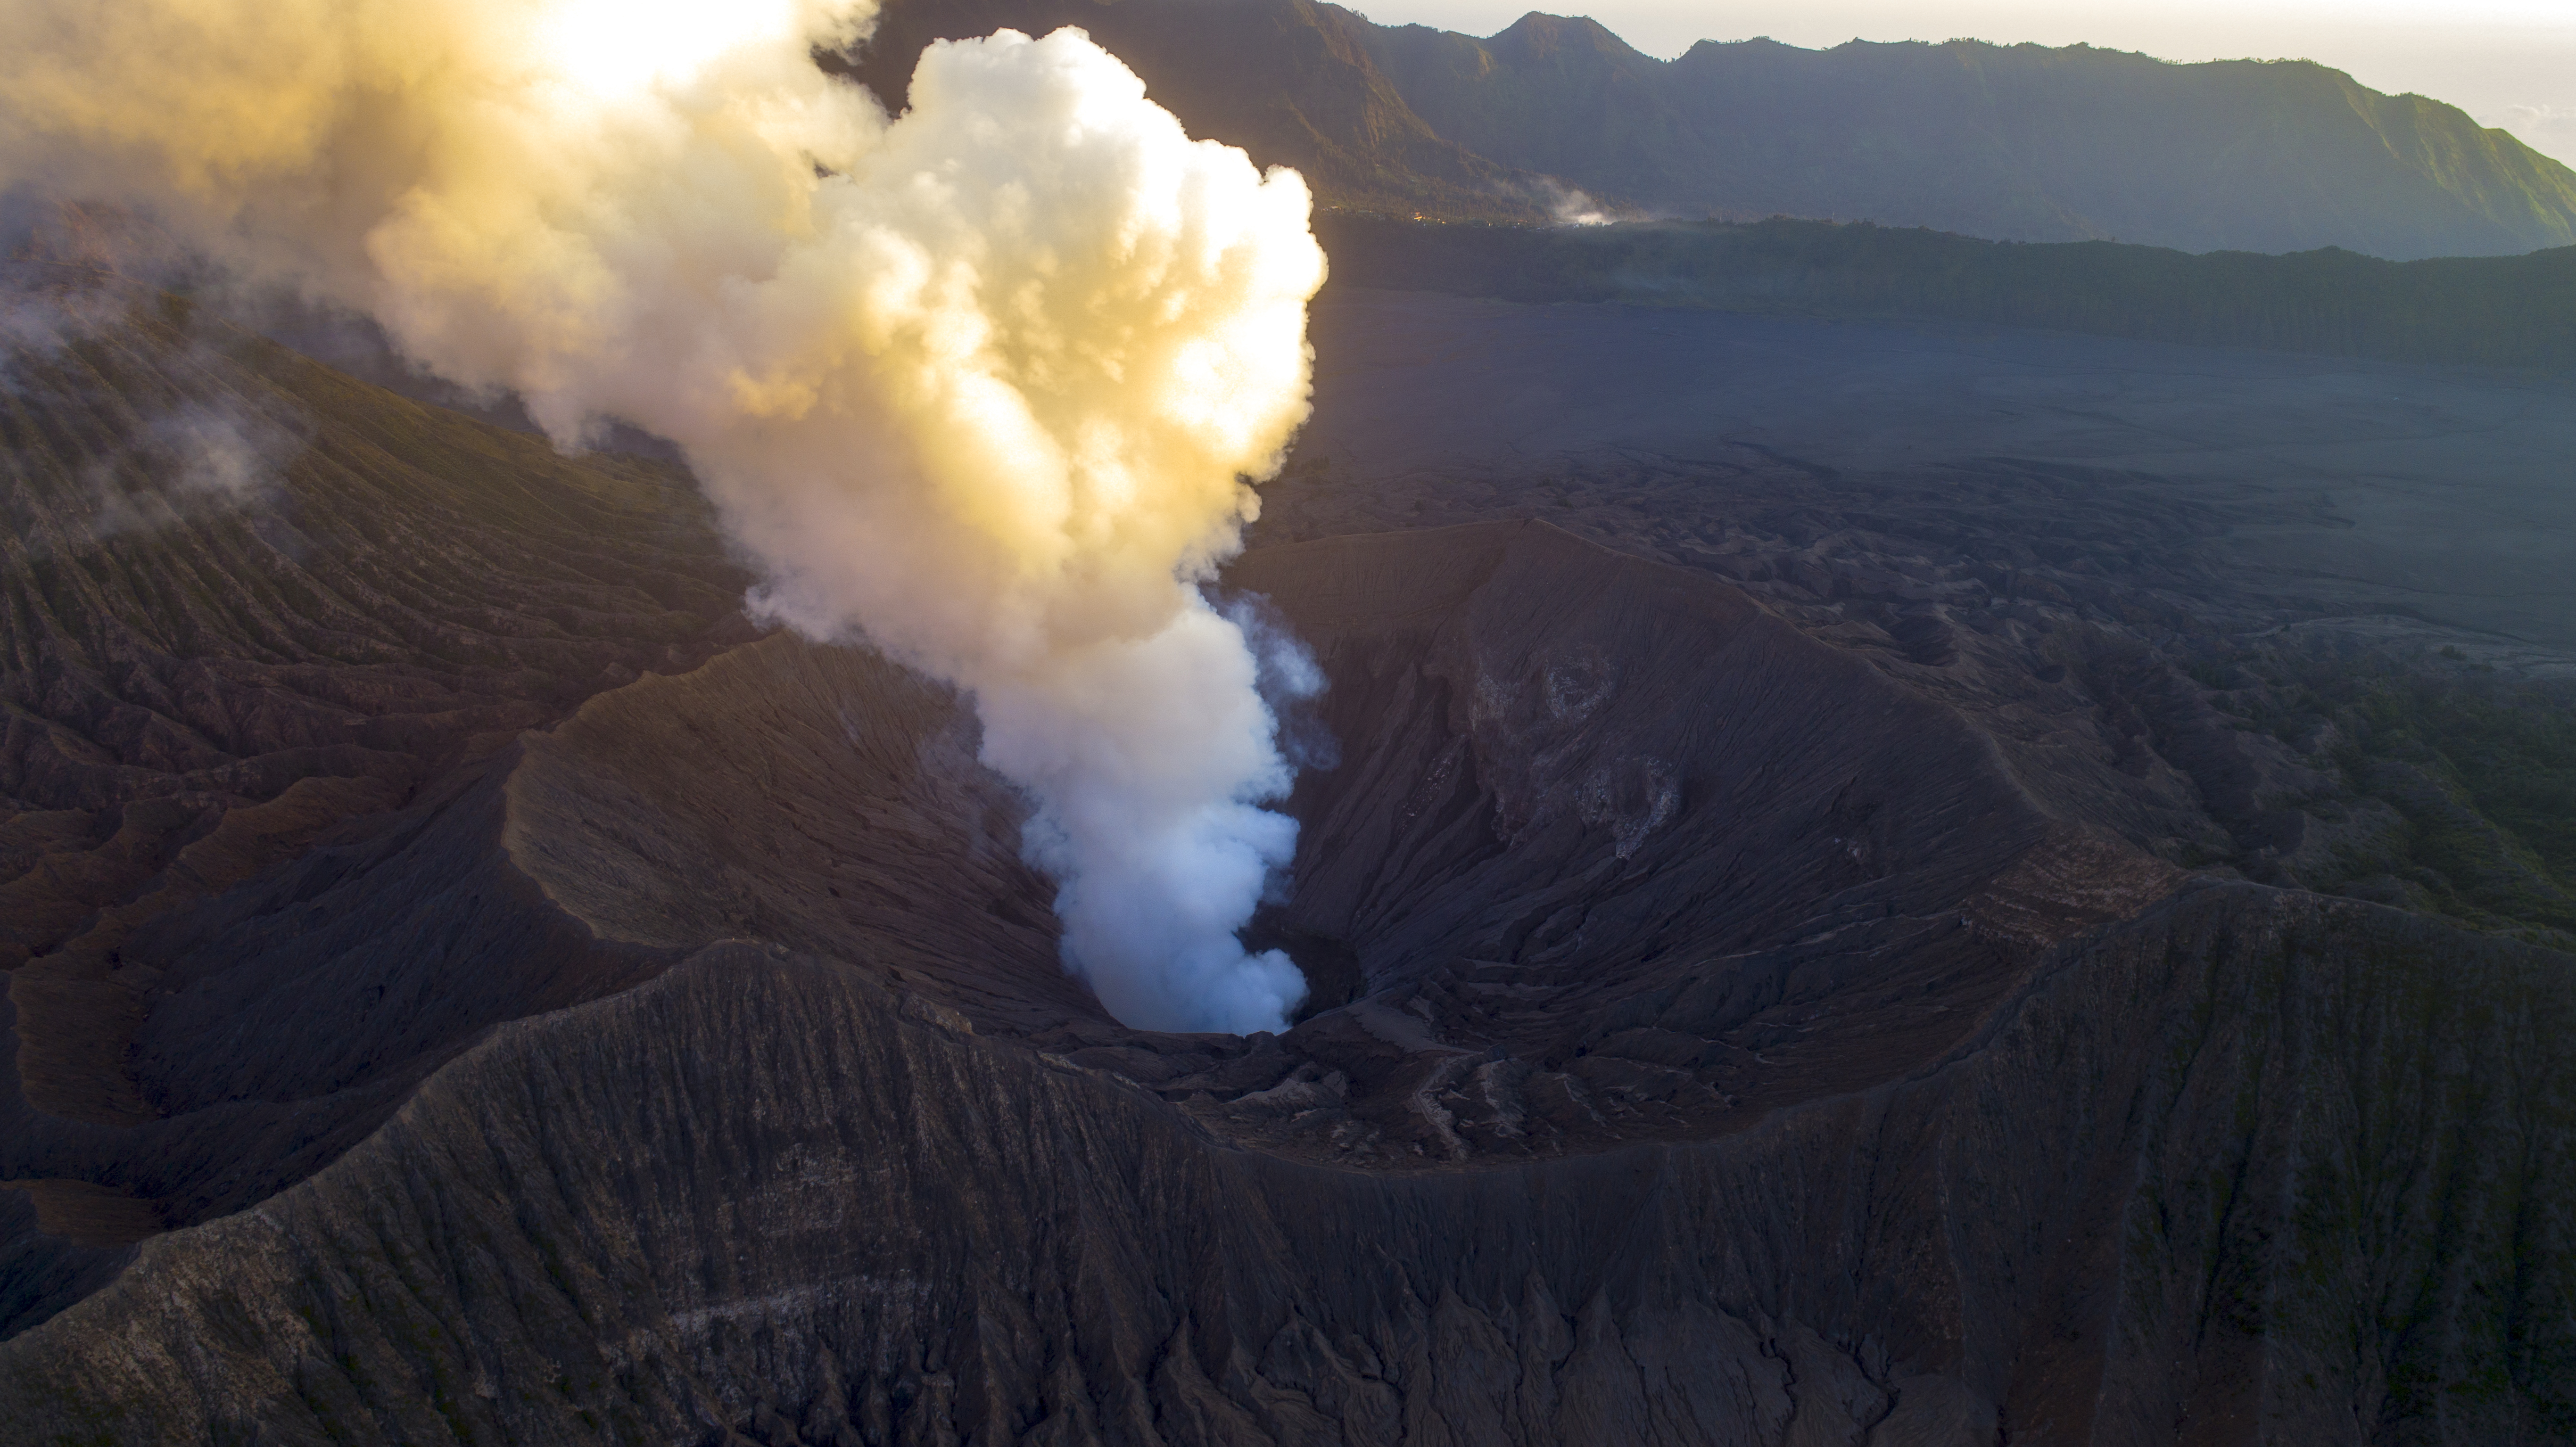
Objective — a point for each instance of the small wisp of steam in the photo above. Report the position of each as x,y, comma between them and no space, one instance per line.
1567,206
199,457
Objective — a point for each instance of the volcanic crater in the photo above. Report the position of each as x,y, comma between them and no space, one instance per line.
1601,851
1715,1033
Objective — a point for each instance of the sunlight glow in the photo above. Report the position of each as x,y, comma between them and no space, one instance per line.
613,48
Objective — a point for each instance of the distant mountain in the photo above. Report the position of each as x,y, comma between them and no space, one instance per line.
1288,80
2015,142
2010,142
2488,311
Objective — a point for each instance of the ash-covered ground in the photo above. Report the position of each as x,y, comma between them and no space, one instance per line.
2309,619
1861,886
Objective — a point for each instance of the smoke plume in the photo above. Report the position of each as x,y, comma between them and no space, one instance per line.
205,455
984,384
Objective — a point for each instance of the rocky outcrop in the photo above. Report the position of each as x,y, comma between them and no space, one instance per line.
2255,1167
2272,1167
246,599
1723,1032
1615,852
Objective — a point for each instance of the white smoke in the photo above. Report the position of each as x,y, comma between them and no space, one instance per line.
200,456
985,384
1567,206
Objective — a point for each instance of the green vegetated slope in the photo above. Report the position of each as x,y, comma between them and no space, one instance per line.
2016,142
2486,311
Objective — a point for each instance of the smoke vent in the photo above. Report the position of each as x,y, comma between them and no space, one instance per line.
1605,851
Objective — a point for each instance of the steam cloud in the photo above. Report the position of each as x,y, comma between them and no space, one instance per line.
983,383
196,457
1567,206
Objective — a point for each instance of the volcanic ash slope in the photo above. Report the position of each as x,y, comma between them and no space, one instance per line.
1714,1043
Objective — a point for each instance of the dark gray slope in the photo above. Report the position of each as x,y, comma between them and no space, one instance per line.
2255,1166
2320,487
2198,597
297,1012
244,599
2017,142
1614,853
247,606
2293,1169
1648,790
818,797
1756,1006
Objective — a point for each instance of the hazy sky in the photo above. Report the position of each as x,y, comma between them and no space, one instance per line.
2510,63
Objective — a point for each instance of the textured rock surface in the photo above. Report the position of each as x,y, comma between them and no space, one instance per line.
2255,1167
1617,853
2171,584
1737,1020
248,604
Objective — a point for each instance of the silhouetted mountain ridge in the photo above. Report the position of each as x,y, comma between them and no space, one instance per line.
2018,142
2490,311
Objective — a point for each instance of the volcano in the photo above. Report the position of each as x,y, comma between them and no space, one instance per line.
1769,985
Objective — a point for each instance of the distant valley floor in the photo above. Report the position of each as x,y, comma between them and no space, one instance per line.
2310,618
2319,487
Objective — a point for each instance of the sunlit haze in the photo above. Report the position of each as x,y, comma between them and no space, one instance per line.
2509,63
609,47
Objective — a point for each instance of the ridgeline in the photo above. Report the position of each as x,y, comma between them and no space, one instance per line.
2017,142
2511,311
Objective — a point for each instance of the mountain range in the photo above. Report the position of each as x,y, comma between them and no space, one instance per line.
1556,117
